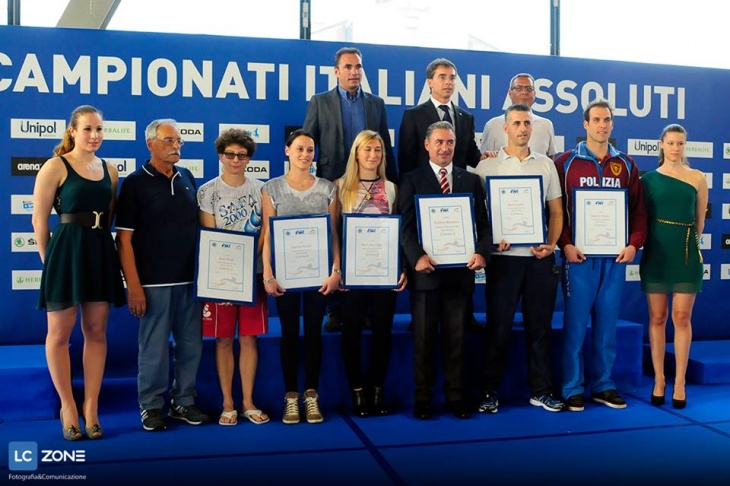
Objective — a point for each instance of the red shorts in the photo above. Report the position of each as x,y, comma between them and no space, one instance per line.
220,320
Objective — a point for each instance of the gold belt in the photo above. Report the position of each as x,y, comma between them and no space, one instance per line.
689,227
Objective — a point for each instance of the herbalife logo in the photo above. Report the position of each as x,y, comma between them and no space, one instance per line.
26,279
632,273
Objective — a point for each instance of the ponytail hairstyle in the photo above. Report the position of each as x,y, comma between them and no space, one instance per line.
68,143
673,128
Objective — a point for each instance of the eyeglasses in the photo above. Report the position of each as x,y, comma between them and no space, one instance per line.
232,155
528,89
172,141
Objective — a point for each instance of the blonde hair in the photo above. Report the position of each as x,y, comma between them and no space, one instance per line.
68,143
350,181
673,128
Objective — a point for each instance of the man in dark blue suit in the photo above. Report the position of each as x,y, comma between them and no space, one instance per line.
440,295
334,118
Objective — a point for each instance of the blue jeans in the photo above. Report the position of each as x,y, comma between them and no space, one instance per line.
592,290
169,310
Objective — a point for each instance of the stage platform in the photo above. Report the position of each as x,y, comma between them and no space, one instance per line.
23,370
709,362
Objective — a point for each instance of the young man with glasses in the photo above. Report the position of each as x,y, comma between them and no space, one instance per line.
157,232
521,90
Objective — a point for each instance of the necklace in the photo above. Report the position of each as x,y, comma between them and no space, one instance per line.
301,184
368,190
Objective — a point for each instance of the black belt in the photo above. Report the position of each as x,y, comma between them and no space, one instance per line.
93,220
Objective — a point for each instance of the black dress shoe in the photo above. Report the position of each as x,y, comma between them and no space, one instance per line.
458,409
422,411
359,404
379,407
472,324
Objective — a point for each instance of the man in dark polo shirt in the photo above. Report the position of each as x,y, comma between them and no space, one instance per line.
156,237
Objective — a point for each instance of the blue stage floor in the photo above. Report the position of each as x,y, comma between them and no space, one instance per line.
520,445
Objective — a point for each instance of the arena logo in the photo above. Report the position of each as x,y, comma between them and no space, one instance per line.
725,271
120,130
26,279
632,273
725,244
706,241
193,165
26,166
260,133
124,166
192,132
23,242
706,271
36,128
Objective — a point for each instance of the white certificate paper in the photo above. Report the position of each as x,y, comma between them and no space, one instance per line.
301,251
516,209
600,225
446,228
370,251
226,266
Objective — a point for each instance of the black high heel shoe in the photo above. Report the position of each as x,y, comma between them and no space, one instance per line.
379,407
677,403
359,404
657,400
71,432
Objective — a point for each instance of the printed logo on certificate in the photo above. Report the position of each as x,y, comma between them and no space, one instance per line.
516,209
300,250
226,266
446,228
370,251
600,221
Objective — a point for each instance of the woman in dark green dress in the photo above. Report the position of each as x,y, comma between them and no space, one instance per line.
671,263
80,263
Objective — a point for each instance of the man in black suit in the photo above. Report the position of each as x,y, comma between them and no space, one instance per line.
441,79
440,295
334,118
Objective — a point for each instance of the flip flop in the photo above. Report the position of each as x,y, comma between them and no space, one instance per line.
231,416
250,414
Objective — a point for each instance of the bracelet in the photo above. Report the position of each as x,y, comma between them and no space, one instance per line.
337,271
269,280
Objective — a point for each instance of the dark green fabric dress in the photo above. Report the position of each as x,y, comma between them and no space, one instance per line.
81,263
671,260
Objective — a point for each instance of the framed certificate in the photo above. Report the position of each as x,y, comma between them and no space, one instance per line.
516,209
300,250
370,251
225,269
446,227
600,221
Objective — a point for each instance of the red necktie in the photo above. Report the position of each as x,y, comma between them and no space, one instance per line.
444,182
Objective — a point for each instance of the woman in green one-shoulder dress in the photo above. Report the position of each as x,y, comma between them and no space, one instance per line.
80,263
671,263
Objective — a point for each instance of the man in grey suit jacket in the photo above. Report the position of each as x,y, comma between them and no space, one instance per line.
335,118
